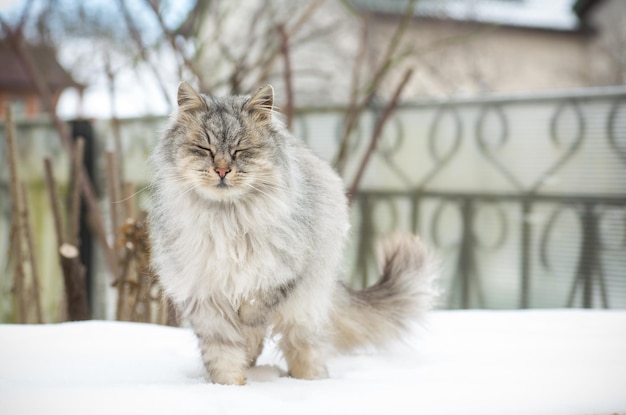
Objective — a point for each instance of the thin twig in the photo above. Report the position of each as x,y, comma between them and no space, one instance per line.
171,37
355,111
266,60
378,129
113,190
136,36
358,63
288,110
16,41
121,285
25,13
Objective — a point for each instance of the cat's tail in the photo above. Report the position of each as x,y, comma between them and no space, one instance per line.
382,312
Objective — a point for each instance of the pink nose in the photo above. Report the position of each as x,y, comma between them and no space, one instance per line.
222,171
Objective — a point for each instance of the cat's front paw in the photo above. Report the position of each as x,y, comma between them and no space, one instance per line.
308,371
227,378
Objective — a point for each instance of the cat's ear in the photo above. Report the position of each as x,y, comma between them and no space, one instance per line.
188,99
261,104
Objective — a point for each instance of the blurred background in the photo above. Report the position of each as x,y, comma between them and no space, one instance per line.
496,129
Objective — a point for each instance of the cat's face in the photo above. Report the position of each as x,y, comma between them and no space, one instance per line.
223,148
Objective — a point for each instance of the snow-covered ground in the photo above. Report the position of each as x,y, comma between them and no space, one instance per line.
461,362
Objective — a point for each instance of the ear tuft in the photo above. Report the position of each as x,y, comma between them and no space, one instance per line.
188,99
261,104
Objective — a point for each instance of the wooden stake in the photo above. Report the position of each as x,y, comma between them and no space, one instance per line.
73,270
16,208
30,243
74,214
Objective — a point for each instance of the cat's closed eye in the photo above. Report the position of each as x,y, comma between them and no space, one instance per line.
240,152
201,151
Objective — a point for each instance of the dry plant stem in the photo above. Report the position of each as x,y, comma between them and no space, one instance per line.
113,190
121,253
143,291
303,18
355,80
16,40
189,64
16,228
378,129
24,17
115,128
130,202
140,295
18,285
267,63
284,47
355,111
74,279
73,270
54,200
142,49
124,311
121,284
30,243
74,214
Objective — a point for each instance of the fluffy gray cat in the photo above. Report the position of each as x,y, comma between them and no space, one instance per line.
248,230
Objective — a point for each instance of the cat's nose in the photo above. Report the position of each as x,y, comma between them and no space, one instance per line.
222,171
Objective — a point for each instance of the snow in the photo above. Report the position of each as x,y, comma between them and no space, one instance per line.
460,362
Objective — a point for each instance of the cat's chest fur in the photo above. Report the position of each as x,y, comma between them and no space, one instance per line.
231,250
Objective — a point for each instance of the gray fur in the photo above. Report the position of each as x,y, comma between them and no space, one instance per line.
248,229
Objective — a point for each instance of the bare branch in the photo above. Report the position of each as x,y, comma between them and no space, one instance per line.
171,37
378,129
54,201
68,254
288,110
74,213
143,51
113,189
355,111
16,219
19,28
17,43
291,30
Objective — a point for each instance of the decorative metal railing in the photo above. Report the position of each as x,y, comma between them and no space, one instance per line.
523,198
541,225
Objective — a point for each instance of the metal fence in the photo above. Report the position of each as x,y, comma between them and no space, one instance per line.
523,198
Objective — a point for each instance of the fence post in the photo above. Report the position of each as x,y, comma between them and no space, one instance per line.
83,128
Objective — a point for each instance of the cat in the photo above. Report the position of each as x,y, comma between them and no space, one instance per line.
248,229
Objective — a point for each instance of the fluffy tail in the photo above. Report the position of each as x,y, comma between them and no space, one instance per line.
404,292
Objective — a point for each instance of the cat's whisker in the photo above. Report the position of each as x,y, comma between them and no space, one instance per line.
133,195
188,190
256,189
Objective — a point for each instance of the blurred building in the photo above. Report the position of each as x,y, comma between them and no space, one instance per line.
473,47
455,47
16,87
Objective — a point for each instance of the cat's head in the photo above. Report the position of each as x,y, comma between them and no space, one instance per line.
224,148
